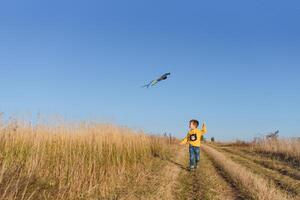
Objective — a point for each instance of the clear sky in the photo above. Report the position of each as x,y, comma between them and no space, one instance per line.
235,64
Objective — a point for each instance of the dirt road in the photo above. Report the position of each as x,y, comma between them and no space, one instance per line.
207,182
210,182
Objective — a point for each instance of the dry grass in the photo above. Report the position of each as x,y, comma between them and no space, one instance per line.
76,161
266,162
288,149
255,186
281,181
236,143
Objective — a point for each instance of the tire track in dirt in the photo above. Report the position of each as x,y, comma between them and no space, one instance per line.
268,163
161,181
252,185
230,191
170,177
207,183
284,183
293,163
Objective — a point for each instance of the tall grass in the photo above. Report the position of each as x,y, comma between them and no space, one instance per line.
254,186
78,161
288,149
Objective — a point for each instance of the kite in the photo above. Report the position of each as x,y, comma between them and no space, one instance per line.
154,82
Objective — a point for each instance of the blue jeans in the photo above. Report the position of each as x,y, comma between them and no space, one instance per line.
194,155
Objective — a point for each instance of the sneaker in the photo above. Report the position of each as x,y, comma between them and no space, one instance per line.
191,168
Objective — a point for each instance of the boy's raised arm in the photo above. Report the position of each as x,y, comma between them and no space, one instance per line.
203,130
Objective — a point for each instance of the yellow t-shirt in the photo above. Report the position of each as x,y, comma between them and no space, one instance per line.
194,136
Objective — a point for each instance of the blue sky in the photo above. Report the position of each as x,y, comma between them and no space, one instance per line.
234,64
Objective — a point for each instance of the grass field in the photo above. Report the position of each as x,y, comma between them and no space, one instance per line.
78,161
93,161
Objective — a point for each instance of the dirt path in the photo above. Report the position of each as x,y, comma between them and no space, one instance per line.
283,182
207,183
266,162
169,181
176,182
279,166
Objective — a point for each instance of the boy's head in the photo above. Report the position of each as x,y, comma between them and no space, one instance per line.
194,124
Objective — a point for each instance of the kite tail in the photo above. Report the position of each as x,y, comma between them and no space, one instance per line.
147,86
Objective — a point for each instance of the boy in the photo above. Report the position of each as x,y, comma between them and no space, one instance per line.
194,139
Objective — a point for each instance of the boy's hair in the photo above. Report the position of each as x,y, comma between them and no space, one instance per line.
195,122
